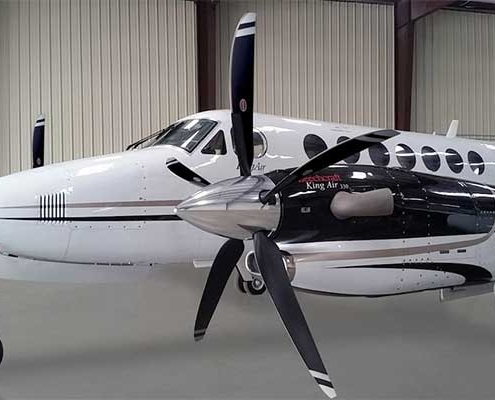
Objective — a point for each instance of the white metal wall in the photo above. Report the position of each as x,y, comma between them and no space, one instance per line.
455,73
106,72
316,59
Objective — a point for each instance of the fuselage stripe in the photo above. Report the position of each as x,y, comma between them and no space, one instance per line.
112,218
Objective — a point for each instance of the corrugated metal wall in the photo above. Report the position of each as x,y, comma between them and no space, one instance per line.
455,73
106,72
317,59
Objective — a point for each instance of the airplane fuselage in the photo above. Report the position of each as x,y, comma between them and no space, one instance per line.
119,209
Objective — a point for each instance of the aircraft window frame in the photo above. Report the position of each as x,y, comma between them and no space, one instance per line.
185,145
431,158
379,155
313,145
351,159
406,157
457,165
213,142
263,143
476,162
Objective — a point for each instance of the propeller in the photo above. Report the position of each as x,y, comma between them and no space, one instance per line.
277,282
39,142
225,261
179,169
248,208
242,91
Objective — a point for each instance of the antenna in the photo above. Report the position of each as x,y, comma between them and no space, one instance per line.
452,132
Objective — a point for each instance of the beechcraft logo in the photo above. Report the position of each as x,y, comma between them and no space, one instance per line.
323,182
243,105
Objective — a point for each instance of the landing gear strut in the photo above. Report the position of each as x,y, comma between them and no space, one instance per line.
256,287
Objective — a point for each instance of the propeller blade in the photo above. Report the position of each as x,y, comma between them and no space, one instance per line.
242,91
39,142
225,261
183,172
277,282
331,156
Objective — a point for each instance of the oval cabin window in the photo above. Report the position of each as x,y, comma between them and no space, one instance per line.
379,155
313,145
260,145
405,156
476,163
430,158
351,159
454,160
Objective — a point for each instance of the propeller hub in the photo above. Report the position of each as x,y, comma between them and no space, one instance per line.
232,208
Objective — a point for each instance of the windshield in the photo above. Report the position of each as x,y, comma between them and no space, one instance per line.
185,134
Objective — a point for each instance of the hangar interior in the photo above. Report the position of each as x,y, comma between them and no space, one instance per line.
109,72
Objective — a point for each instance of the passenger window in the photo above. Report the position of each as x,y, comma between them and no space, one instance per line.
216,145
351,159
430,158
454,160
476,163
405,156
313,145
379,155
260,145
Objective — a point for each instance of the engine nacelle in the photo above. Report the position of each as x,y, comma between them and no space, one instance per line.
289,263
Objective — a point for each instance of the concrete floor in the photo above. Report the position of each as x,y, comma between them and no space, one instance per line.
136,341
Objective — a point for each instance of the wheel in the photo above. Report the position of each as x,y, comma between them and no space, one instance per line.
256,287
241,284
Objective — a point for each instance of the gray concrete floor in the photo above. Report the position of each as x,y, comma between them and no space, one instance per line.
135,341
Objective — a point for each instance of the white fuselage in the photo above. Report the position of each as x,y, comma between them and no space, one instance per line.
119,209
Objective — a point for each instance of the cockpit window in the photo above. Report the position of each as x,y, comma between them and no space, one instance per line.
186,134
216,145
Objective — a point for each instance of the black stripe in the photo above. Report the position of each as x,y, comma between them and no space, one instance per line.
247,25
324,382
472,273
60,205
116,218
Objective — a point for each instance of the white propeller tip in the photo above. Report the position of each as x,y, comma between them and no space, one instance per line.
248,17
330,392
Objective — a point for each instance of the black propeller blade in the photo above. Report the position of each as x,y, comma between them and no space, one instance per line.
222,267
39,142
179,169
331,156
277,282
242,91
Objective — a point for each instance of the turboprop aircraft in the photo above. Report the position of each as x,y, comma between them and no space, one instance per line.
321,207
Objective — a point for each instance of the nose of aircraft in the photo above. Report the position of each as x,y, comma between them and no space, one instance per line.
22,231
232,208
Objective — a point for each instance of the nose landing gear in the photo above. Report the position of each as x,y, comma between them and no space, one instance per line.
256,287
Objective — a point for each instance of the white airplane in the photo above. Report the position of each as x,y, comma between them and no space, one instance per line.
332,209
